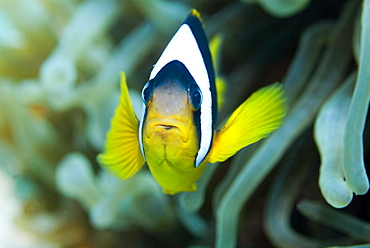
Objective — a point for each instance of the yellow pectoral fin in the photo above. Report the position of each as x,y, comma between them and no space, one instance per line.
122,155
255,119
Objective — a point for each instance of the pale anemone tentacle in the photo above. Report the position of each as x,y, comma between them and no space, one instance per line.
329,136
354,167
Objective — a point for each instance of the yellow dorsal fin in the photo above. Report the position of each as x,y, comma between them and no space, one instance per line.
215,49
122,155
221,91
253,120
195,12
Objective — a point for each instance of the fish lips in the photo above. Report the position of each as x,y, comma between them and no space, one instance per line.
167,126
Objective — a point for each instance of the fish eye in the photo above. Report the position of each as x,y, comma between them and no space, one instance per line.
195,96
147,92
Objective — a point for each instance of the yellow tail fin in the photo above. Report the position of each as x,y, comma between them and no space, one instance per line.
253,120
122,155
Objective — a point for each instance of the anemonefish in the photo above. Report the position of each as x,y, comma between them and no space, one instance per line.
177,134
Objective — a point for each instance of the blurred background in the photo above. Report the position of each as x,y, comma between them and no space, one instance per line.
304,186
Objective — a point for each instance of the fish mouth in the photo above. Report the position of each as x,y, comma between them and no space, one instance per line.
166,126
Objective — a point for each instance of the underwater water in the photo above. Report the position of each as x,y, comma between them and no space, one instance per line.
303,186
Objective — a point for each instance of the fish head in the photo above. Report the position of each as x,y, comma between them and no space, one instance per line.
169,134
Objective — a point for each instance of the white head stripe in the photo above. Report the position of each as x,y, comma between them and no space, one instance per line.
184,48
141,130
